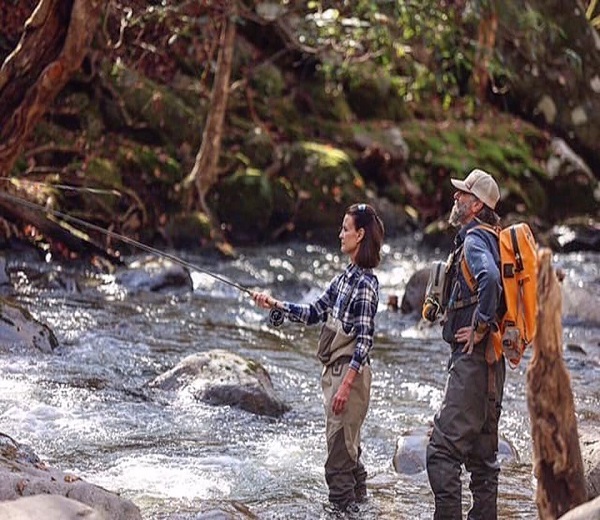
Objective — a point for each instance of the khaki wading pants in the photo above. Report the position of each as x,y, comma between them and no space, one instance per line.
345,474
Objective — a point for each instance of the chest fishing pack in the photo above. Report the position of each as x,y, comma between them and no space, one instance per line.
516,326
436,292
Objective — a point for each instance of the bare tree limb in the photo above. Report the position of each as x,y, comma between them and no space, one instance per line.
204,174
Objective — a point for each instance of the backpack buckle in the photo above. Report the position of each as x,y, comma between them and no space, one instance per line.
511,343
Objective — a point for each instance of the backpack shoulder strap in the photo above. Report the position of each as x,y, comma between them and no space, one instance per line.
486,227
464,267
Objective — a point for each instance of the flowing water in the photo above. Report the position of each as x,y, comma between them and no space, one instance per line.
84,410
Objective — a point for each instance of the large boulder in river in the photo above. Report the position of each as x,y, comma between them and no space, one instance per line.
414,293
154,274
219,377
19,330
22,474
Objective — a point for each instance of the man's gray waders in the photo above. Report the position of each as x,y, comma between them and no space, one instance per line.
466,431
345,474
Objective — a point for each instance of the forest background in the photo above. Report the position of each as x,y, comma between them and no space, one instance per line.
227,123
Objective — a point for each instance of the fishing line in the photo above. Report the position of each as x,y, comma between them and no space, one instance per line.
65,187
122,238
276,316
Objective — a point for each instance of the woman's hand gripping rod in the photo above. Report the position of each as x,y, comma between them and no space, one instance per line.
277,313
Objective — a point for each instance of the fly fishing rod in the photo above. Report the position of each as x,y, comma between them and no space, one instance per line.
64,187
276,316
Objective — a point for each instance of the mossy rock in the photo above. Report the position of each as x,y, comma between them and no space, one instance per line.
373,93
47,132
151,164
284,115
453,148
101,172
258,148
244,204
328,101
149,104
188,230
326,183
267,80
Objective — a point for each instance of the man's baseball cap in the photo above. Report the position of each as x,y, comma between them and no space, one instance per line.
480,184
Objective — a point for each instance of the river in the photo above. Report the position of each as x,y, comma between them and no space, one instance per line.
84,410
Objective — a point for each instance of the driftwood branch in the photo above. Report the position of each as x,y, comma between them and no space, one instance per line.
558,466
74,240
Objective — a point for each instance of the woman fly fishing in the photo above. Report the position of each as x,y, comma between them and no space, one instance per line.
347,310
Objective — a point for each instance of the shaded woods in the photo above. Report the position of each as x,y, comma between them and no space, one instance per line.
252,124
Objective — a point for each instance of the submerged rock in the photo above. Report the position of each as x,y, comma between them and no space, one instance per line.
154,274
219,377
20,330
410,457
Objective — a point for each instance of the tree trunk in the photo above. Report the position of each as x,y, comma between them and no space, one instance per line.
558,465
205,173
552,53
54,42
486,41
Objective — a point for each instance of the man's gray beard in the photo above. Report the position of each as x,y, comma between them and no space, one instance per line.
455,216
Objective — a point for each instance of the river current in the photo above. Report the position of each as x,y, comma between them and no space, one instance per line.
83,409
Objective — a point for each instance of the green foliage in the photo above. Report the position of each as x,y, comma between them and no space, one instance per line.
592,13
425,47
268,80
453,149
244,203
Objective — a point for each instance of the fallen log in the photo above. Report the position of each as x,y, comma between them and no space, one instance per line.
74,240
557,462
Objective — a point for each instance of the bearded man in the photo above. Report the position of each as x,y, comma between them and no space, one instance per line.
465,428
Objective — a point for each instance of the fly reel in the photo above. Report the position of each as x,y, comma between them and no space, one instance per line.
276,317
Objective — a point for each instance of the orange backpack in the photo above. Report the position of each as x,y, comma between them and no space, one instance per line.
518,268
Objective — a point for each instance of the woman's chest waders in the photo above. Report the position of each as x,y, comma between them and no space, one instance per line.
345,474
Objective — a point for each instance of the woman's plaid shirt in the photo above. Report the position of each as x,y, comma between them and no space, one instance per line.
351,297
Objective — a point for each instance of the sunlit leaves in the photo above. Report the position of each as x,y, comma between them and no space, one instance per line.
424,40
